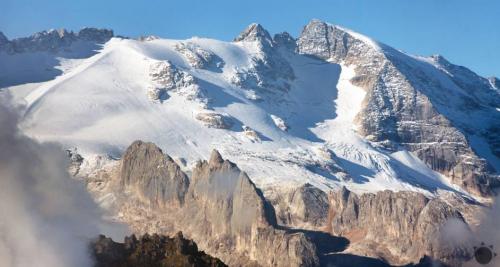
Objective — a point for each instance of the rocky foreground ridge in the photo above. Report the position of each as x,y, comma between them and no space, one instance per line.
219,207
151,251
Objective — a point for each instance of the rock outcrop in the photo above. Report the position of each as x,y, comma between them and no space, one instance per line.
198,57
285,40
400,227
304,207
218,206
412,104
215,120
151,251
154,177
269,69
255,32
166,77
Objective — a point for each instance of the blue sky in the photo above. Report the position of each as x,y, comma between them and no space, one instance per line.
465,32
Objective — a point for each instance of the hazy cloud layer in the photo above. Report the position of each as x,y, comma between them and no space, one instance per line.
46,217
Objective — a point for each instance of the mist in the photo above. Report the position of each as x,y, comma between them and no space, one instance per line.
457,234
488,232
46,218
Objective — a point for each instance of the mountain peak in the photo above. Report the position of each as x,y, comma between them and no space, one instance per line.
254,32
284,39
440,59
324,32
95,34
316,21
215,158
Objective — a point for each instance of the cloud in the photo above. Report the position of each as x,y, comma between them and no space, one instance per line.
46,217
488,231
457,234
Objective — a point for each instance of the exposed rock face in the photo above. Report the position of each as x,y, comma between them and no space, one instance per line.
403,226
324,41
219,207
255,32
251,133
279,122
198,57
154,177
167,77
95,35
269,69
53,40
285,40
408,103
214,120
75,161
151,251
303,207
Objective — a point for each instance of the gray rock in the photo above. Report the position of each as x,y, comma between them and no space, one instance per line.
324,41
198,57
407,105
405,226
302,207
255,32
215,120
154,177
75,161
219,207
95,35
270,70
285,40
54,40
166,76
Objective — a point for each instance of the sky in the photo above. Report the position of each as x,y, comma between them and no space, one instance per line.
466,32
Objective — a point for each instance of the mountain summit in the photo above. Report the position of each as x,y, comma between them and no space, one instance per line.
331,132
254,32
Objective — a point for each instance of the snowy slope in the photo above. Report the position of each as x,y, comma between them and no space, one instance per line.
100,104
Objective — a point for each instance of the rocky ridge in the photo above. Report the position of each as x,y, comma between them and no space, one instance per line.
53,40
151,251
270,70
218,206
398,109
403,226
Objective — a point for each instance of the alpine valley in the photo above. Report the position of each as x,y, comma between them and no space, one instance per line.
329,149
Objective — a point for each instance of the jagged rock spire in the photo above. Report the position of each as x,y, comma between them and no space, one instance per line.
254,32
285,40
215,158
96,35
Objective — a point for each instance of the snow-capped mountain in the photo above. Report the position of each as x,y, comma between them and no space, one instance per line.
332,110
358,113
